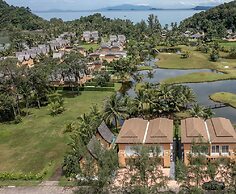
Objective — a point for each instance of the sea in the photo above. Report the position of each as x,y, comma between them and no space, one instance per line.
165,16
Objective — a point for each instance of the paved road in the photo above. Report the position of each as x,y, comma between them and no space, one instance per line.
44,188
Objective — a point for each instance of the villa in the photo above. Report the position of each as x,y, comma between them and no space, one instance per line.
219,133
104,135
139,132
90,36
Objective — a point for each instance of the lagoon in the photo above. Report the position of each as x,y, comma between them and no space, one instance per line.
202,90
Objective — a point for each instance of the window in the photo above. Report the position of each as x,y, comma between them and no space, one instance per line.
225,149
130,150
154,150
215,149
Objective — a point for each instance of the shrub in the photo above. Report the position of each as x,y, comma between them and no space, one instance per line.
214,56
56,106
108,89
18,119
6,176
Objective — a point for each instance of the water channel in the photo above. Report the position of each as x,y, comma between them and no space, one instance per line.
202,90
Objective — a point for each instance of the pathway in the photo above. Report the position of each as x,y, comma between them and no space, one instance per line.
47,187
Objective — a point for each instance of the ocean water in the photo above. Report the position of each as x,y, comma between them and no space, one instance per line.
165,16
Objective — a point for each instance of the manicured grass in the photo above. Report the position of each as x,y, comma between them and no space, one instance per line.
228,44
201,77
87,46
196,60
142,68
224,97
39,140
19,183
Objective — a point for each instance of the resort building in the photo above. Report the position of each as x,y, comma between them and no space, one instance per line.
219,133
122,39
113,38
90,36
104,135
58,55
103,140
139,132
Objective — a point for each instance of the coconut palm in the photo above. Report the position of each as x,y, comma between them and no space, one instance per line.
197,111
114,110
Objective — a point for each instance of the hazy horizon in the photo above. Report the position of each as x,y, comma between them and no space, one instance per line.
97,4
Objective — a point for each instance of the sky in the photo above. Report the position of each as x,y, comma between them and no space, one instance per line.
95,4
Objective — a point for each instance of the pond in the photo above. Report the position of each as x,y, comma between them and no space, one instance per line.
202,90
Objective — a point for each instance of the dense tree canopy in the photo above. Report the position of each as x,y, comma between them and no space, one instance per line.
19,18
214,21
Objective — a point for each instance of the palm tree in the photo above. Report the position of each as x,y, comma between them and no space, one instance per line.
85,129
208,113
140,100
114,110
197,111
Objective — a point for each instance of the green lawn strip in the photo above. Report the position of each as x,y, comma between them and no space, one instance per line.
228,44
224,97
143,68
200,77
87,46
19,183
39,140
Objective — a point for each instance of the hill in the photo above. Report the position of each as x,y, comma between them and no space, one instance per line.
127,7
21,18
214,21
202,7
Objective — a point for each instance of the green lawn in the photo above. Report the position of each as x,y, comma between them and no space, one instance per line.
87,46
196,60
201,77
39,140
228,45
225,97
143,68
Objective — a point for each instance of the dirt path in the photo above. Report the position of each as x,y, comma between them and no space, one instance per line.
57,175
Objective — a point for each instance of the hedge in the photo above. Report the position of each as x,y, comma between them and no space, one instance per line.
7,176
170,50
110,89
107,84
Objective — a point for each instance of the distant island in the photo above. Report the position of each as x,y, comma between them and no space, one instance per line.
128,7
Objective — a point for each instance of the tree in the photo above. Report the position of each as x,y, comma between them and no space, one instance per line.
201,111
145,172
214,56
56,105
153,23
190,176
114,110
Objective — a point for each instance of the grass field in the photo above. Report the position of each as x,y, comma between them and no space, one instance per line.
228,44
39,140
87,46
224,97
197,60
200,77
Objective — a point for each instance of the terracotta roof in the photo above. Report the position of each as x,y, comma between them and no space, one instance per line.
192,129
105,132
221,130
160,130
132,131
